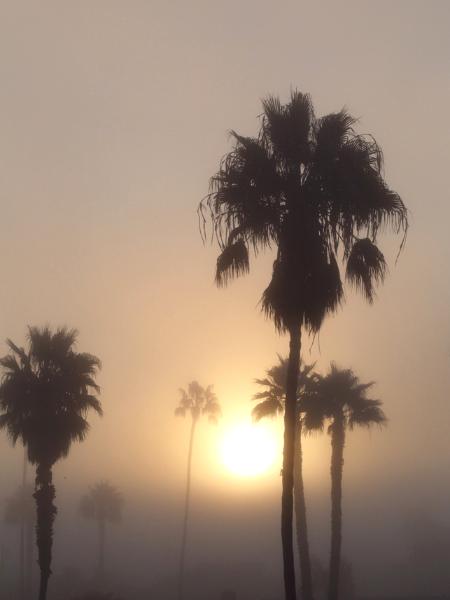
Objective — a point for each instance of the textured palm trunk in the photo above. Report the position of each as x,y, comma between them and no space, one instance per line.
101,549
337,465
46,511
300,517
287,497
186,512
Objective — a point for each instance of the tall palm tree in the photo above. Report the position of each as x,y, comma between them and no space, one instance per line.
272,401
20,511
45,394
342,399
312,189
197,401
103,504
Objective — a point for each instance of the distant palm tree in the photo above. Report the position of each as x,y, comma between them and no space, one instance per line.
341,398
194,402
45,395
313,190
20,510
104,504
272,402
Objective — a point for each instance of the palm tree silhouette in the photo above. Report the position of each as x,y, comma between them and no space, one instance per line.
341,398
104,504
313,189
194,402
20,511
45,395
272,402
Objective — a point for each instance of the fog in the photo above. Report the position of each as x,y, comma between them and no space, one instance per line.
113,117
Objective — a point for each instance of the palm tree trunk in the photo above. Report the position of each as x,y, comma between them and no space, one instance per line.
337,465
300,516
44,495
22,528
29,560
22,550
186,512
101,549
287,499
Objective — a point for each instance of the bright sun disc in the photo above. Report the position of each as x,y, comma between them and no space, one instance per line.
248,450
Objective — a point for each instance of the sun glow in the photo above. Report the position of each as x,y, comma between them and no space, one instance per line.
249,450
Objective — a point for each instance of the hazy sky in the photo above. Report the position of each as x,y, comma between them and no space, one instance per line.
113,116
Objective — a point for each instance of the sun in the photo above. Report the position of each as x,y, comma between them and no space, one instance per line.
248,450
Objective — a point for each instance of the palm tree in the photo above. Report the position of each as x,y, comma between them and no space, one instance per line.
341,398
195,402
272,402
104,504
45,395
19,510
312,189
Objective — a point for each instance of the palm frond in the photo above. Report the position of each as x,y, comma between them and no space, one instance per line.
366,413
287,128
267,408
232,262
366,267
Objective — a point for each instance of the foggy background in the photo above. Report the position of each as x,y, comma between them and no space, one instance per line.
113,116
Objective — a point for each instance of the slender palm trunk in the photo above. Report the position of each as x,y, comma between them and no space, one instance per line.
337,465
287,499
46,511
186,512
101,549
22,551
300,517
22,528
29,560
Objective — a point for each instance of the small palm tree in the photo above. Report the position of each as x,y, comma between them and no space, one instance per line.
313,190
20,511
45,395
342,399
103,504
196,402
272,401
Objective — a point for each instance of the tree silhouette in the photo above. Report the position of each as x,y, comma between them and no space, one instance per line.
20,511
312,189
341,398
45,395
103,504
272,402
197,401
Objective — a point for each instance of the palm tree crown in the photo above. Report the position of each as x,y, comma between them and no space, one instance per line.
198,401
341,395
46,392
314,189
104,502
272,398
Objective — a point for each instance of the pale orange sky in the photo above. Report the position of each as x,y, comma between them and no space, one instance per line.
113,116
